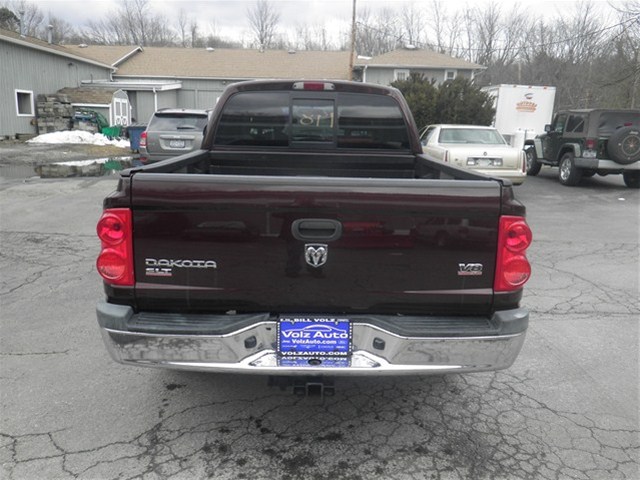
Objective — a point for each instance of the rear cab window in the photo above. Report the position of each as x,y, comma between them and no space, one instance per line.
307,119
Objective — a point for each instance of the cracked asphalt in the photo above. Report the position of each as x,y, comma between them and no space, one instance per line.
567,409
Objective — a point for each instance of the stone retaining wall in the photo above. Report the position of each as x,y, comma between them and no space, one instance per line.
55,113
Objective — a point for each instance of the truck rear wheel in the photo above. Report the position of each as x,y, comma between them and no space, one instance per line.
569,174
533,165
624,145
631,179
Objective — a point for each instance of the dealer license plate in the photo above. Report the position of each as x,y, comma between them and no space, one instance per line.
176,143
314,337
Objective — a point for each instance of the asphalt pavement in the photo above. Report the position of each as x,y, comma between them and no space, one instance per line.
567,409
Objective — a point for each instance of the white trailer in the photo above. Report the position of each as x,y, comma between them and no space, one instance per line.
522,111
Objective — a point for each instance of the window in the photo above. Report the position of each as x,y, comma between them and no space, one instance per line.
426,135
483,136
401,75
312,120
255,118
575,124
174,122
450,74
558,124
24,103
370,121
347,120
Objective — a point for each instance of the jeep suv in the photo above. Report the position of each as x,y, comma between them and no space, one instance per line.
172,132
585,142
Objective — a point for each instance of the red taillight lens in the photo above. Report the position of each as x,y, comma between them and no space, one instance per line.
143,139
311,86
517,236
590,143
512,267
115,262
111,229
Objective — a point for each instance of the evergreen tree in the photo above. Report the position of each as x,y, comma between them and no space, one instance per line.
455,101
8,20
421,95
461,102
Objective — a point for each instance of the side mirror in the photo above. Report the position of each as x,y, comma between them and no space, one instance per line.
547,128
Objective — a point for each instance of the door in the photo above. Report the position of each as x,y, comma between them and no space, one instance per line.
120,109
553,139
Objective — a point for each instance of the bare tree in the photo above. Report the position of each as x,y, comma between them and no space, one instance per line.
61,30
183,27
378,33
437,24
133,23
263,20
313,37
29,14
413,24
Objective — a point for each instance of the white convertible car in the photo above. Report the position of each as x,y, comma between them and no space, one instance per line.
472,146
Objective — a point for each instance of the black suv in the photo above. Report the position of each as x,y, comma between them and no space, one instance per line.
585,142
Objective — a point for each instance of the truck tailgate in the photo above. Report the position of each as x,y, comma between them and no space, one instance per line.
220,243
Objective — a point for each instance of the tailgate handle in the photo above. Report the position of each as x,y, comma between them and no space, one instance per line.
316,229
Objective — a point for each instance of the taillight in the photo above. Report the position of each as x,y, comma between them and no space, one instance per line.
512,267
446,156
143,139
115,262
590,143
314,86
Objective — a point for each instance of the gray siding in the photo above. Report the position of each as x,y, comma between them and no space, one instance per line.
201,93
146,105
385,75
195,93
39,72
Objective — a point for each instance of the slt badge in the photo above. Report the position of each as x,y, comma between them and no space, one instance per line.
316,254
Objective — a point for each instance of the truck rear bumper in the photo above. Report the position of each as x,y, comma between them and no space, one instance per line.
378,347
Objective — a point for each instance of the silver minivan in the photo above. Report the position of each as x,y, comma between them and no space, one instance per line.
172,132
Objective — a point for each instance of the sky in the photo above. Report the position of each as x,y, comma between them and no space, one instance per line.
228,18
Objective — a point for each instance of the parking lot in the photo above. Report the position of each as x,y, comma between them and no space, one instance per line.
568,408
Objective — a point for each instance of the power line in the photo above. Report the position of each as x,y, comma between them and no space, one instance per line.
450,48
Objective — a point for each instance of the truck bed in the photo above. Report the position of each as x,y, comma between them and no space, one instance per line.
245,224
312,237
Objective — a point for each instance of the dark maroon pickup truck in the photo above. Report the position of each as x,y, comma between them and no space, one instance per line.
310,236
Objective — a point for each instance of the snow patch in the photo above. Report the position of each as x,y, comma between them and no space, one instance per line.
79,137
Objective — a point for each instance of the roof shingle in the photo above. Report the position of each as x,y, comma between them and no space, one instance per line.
418,58
235,64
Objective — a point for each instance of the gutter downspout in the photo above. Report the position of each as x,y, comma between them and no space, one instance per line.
364,74
155,100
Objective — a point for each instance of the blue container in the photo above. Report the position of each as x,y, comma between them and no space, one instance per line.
135,131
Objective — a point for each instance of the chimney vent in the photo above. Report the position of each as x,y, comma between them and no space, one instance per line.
21,12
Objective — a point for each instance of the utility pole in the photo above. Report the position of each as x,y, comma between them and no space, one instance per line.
353,40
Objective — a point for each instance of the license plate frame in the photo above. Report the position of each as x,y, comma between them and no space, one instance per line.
308,337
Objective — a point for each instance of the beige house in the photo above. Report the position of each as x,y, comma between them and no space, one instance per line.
399,64
156,77
151,78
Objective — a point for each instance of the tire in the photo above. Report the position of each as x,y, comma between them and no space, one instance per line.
624,145
568,173
631,179
533,165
